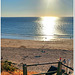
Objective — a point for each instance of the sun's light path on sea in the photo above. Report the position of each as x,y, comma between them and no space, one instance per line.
48,24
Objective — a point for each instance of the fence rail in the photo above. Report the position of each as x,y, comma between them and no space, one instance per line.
45,73
42,64
67,67
58,71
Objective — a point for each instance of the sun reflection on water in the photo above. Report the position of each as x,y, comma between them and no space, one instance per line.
48,27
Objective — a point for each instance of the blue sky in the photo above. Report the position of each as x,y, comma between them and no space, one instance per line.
36,8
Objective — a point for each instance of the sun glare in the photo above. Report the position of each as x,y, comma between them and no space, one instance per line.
48,24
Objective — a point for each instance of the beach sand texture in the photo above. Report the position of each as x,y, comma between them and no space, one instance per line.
31,52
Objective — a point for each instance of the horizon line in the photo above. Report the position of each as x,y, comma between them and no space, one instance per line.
43,16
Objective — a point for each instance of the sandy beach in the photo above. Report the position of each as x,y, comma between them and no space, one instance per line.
31,52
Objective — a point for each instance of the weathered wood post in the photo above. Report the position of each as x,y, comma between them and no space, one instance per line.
24,69
59,69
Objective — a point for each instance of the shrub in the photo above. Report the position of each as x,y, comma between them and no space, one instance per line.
7,66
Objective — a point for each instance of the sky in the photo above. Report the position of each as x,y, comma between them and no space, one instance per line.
36,8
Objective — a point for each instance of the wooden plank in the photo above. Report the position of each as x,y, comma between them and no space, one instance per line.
45,73
68,67
42,64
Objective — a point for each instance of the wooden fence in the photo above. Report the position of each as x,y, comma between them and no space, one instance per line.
58,71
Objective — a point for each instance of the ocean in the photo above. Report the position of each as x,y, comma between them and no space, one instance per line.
37,28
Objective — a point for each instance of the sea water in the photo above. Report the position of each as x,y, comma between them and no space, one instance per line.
37,28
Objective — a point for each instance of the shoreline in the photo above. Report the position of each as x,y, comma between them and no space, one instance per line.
66,44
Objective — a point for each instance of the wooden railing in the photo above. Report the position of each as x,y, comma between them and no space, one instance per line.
58,71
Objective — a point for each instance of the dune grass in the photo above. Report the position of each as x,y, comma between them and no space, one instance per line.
7,68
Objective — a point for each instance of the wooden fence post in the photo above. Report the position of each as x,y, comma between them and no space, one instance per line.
59,69
24,69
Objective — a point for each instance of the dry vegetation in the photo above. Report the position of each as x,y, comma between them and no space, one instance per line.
8,69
